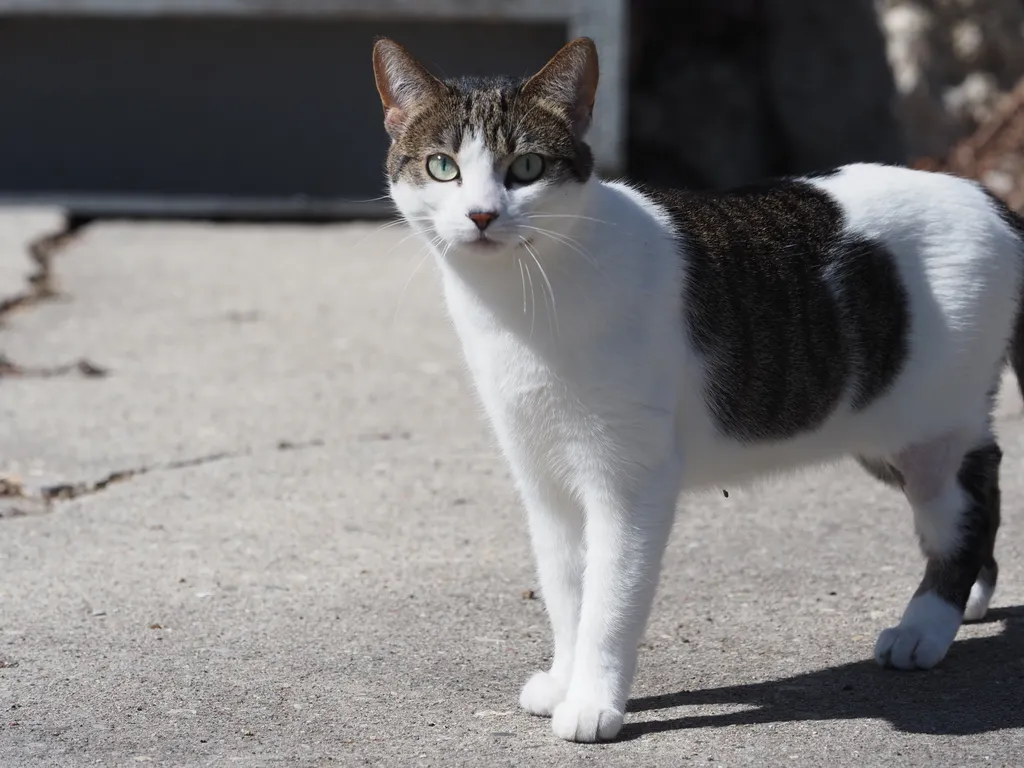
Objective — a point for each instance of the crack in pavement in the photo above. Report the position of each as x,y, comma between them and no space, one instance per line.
82,366
42,284
18,501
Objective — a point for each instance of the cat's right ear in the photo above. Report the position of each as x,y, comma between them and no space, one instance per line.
402,83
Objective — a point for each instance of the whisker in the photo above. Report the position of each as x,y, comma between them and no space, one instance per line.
523,278
425,250
543,294
533,295
567,216
571,243
562,237
414,233
368,200
389,225
551,290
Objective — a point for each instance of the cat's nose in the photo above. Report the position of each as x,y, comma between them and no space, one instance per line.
482,219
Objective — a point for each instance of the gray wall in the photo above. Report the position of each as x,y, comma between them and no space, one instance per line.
260,114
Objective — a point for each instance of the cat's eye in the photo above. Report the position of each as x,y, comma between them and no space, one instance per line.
442,168
526,168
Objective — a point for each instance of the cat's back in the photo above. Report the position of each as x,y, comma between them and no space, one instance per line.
814,213
868,244
842,292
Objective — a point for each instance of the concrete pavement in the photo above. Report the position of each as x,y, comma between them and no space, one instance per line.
263,523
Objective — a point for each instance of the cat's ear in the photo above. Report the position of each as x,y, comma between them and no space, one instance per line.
570,81
402,82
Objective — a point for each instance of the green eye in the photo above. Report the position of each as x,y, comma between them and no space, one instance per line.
526,168
442,168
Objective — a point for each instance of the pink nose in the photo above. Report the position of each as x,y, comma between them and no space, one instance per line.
482,219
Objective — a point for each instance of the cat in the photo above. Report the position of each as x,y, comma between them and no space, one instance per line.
630,343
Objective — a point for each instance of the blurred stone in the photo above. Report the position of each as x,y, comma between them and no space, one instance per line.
952,61
994,153
733,91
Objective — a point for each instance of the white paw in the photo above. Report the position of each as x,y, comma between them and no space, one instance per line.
923,636
909,648
541,694
977,603
583,721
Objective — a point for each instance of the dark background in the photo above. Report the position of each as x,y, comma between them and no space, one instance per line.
279,116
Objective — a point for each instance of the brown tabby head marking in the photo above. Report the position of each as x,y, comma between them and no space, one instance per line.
547,113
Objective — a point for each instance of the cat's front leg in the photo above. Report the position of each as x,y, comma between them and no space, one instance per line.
626,533
556,533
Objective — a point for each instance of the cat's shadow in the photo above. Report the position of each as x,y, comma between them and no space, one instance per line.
978,688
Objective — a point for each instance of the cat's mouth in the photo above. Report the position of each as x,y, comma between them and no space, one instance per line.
486,243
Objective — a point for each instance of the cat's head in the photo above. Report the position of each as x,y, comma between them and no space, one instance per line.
477,163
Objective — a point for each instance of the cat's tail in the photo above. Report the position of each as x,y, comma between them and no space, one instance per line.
1016,351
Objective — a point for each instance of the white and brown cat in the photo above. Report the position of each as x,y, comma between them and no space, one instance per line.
631,343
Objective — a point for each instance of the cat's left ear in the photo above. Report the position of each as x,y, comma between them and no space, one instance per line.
402,82
570,81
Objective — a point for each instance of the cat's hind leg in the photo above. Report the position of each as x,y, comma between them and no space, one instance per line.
954,494
982,591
